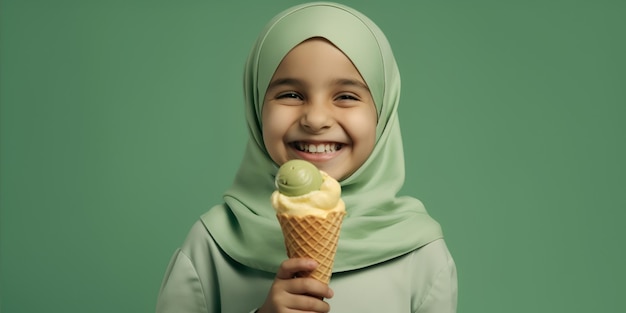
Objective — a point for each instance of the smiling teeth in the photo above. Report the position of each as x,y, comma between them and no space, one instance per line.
318,148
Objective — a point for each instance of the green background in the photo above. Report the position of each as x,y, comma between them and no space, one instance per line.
122,122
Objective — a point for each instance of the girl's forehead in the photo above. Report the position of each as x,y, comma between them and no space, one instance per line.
318,62
313,49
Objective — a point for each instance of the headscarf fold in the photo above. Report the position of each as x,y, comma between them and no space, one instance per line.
378,225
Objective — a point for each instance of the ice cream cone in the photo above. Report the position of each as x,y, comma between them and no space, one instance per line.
313,237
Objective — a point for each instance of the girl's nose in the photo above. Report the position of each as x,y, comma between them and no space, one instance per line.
316,117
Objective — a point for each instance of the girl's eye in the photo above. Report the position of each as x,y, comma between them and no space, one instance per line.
346,97
289,95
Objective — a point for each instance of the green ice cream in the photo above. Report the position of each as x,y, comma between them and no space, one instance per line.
298,177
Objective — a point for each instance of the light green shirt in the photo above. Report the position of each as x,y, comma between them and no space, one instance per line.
201,278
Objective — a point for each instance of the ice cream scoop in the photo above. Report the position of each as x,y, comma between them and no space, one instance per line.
298,177
305,190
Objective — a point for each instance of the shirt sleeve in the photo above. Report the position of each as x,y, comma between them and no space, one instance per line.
441,295
200,278
181,290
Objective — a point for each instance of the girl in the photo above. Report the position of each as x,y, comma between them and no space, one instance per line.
321,84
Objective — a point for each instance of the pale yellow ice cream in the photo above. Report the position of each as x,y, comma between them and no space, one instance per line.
317,203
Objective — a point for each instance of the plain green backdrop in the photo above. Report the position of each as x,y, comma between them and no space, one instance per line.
122,122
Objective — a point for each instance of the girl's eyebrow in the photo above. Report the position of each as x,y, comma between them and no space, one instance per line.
285,81
351,82
339,81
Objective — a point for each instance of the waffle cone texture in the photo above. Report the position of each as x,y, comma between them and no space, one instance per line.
313,237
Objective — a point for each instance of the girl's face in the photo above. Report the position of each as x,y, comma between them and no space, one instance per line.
318,108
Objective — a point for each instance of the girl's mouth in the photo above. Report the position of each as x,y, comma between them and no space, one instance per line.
321,147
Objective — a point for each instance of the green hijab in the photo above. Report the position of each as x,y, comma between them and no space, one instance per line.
378,225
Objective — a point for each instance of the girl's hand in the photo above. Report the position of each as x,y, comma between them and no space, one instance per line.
295,294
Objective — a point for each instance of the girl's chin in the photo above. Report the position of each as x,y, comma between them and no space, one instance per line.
327,162
332,171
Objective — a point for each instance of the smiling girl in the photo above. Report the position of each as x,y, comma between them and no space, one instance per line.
321,85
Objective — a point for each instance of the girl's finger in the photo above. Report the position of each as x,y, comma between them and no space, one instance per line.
291,267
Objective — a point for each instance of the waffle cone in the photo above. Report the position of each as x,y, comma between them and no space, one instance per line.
313,237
